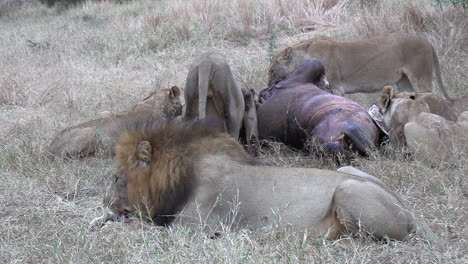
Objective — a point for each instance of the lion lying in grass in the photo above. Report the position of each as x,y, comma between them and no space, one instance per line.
100,134
177,173
430,127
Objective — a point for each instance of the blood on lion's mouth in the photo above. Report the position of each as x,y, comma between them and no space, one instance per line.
125,216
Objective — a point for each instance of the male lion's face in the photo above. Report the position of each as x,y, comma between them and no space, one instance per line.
116,197
129,190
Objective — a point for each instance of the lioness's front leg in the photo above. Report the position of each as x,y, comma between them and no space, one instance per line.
334,81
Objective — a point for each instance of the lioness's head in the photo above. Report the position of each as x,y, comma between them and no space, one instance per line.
165,101
399,109
282,64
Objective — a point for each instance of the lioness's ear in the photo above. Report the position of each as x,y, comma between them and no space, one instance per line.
175,92
144,150
288,54
386,97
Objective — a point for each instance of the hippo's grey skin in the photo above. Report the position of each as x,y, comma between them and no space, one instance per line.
298,113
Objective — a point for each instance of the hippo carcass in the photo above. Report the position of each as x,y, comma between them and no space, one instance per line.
298,113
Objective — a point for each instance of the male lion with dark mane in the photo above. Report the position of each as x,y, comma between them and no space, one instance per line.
179,173
365,66
100,134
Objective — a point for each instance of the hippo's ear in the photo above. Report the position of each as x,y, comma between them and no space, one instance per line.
288,54
174,92
144,150
386,97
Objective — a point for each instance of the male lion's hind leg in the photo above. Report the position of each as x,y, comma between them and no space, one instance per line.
365,206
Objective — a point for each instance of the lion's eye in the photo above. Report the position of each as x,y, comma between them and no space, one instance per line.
115,178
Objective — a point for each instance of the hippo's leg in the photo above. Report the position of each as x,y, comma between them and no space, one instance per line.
358,139
366,206
333,148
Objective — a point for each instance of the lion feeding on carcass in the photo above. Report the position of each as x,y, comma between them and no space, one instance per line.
186,173
405,60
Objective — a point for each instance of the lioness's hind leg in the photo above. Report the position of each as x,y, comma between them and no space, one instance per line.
419,79
365,206
234,120
404,84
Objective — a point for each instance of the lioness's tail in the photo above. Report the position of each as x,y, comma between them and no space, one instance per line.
204,71
358,139
438,74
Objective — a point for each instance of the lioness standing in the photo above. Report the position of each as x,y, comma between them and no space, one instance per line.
211,90
365,66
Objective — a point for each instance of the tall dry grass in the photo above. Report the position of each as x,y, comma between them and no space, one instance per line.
62,67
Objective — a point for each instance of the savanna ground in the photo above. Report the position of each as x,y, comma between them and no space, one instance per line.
59,67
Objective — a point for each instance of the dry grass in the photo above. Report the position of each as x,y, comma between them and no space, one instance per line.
61,67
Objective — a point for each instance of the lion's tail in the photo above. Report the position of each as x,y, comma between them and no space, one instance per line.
438,74
204,71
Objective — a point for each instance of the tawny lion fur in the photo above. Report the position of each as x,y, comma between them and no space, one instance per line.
211,91
187,174
429,126
100,134
404,60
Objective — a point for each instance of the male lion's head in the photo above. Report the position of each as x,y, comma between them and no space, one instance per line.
167,101
149,175
155,167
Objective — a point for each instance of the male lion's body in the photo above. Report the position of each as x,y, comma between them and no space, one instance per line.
196,176
366,66
100,134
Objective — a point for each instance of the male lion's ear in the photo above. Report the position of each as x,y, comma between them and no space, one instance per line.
386,97
144,150
288,54
175,92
